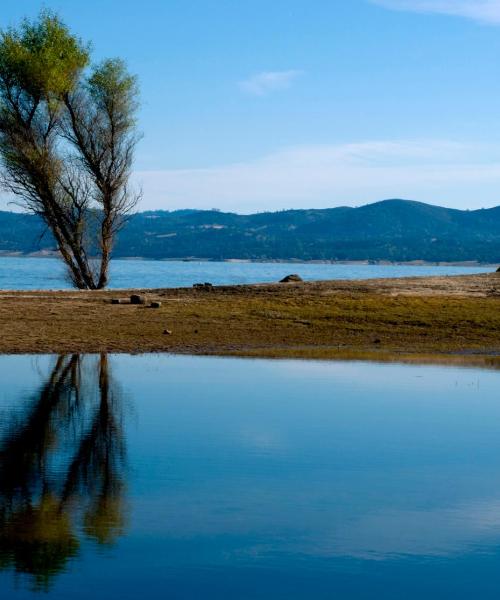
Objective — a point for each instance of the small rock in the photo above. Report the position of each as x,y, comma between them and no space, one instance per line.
155,304
498,270
167,332
120,301
203,286
137,299
293,277
377,341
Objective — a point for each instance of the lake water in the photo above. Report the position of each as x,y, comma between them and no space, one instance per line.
125,477
49,273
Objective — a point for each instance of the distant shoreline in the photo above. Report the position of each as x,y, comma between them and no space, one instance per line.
450,318
291,261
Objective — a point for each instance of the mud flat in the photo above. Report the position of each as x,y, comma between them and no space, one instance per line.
451,319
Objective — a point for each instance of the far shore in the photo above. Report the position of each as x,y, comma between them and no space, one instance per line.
453,319
290,261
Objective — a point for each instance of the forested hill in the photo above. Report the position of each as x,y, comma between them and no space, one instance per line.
393,230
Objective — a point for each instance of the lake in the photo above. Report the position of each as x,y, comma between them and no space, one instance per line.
125,477
49,273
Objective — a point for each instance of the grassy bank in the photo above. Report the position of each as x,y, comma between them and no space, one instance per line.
440,316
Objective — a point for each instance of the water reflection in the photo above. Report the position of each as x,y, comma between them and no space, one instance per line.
247,479
62,469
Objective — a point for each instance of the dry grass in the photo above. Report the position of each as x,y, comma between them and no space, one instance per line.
378,318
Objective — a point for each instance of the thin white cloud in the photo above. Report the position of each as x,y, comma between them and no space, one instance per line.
268,81
486,11
441,172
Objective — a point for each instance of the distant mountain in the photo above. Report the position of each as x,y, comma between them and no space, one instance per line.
391,230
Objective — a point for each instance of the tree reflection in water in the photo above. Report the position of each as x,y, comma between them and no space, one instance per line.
62,466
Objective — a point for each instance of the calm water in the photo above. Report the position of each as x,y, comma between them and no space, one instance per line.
49,273
176,477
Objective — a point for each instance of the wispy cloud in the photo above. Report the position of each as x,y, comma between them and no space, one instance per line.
268,81
442,172
486,11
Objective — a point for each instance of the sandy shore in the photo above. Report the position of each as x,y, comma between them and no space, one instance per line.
456,317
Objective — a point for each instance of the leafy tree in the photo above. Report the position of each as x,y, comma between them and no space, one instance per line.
67,140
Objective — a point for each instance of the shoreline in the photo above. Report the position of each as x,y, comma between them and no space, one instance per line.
291,261
451,318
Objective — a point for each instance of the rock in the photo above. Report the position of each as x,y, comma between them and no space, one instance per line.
155,304
167,332
137,299
203,286
377,341
498,270
293,277
120,301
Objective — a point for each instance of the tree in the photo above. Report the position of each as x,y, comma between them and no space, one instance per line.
67,140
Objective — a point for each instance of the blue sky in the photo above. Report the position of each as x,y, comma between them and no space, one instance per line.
258,105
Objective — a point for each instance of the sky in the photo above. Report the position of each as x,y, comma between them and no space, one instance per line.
254,105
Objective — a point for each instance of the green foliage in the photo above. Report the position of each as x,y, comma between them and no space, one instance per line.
42,57
112,87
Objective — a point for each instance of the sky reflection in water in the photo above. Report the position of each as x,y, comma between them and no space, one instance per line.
206,477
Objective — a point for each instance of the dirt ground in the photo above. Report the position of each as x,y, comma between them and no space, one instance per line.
456,316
